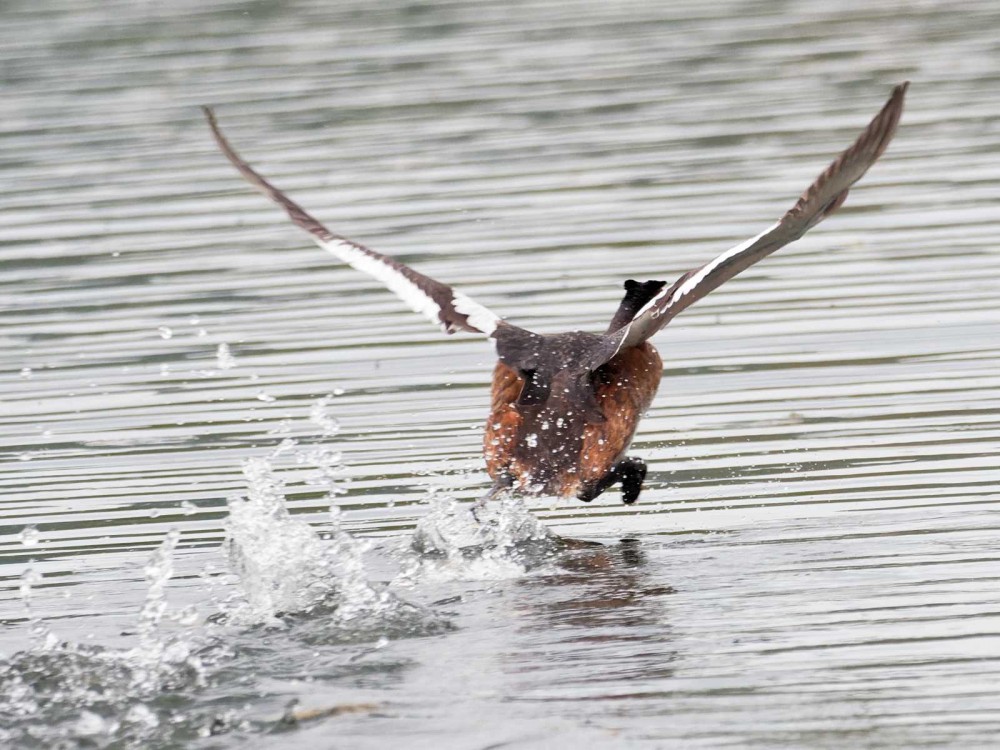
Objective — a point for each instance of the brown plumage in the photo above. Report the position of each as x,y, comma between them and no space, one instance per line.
579,453
565,406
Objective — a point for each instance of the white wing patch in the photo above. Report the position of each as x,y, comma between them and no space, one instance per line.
412,295
406,290
695,280
477,315
438,302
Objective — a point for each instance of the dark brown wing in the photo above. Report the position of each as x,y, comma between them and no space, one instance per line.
820,200
438,302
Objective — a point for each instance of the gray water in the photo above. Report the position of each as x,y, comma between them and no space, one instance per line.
814,561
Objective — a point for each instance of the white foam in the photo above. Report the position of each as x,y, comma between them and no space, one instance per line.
224,357
450,543
281,563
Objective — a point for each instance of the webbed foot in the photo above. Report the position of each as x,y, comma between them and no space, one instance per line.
630,471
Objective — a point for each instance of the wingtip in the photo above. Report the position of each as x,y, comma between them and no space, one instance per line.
901,88
895,103
224,145
210,118
882,128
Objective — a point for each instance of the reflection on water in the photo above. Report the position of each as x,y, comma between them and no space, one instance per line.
601,631
814,562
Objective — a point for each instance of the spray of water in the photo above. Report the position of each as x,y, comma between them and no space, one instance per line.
42,637
452,542
160,657
312,582
283,565
95,695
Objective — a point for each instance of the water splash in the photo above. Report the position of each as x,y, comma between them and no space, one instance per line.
281,563
501,539
284,566
320,416
62,694
311,582
224,358
358,596
158,569
159,657
42,636
29,536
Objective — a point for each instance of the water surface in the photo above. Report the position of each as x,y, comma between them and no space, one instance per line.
813,562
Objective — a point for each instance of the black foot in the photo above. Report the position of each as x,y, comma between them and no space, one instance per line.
633,472
630,471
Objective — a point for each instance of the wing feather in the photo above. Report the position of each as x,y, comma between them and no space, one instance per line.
824,196
436,301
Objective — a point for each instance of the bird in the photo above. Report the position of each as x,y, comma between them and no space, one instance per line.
564,407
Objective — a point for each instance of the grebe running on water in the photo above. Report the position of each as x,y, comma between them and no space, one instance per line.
565,406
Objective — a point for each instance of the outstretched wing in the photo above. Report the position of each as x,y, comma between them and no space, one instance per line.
436,301
820,200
